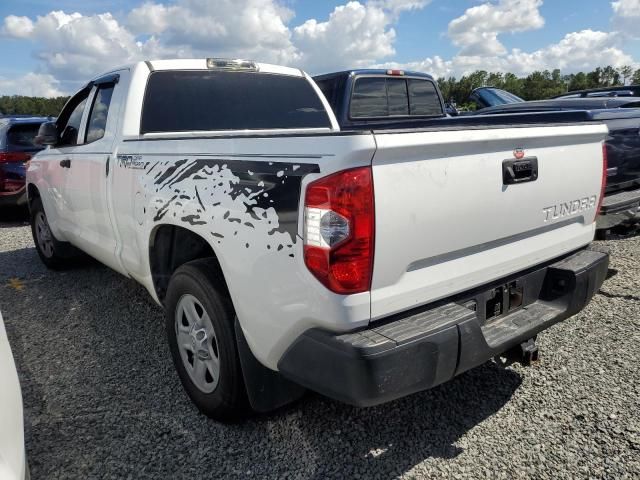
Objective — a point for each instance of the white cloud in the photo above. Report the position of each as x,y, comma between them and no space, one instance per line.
436,66
397,6
149,18
583,50
626,17
577,51
225,28
72,47
31,84
18,27
476,32
354,35
626,7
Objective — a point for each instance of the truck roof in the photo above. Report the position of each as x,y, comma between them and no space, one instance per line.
201,64
372,71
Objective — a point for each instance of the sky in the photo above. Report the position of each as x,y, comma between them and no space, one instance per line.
49,51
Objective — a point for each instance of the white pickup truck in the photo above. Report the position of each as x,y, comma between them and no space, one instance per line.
288,254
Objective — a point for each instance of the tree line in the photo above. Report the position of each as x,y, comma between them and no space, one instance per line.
537,85
22,105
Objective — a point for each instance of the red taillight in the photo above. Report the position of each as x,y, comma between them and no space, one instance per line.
339,230
395,73
14,156
603,184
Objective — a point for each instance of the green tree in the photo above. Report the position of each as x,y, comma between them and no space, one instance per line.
511,83
635,80
626,72
495,80
545,84
609,77
579,81
594,78
21,105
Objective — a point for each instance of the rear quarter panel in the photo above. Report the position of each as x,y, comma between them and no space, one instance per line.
243,195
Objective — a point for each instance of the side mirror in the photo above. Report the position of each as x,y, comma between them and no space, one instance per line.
47,134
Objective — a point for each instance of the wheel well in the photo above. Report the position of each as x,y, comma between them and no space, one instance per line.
169,248
32,192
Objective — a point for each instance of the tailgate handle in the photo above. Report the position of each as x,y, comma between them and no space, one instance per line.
520,171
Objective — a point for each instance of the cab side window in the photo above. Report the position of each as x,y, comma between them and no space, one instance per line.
99,110
70,118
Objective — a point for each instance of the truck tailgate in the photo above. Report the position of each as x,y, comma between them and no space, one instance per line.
447,222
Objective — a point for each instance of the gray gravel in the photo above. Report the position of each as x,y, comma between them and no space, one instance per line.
102,399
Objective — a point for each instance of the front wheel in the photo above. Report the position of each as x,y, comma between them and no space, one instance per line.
53,253
200,330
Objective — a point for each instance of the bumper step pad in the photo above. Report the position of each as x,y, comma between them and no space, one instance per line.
409,329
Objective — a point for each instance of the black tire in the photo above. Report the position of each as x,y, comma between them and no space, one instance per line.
55,254
228,400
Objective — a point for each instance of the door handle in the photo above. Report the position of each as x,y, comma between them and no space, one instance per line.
66,163
519,171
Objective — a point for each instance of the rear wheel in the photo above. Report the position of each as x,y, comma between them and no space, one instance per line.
200,330
53,253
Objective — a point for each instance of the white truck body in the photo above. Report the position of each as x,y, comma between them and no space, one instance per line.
444,221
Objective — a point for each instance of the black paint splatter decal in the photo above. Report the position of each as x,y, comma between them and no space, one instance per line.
249,202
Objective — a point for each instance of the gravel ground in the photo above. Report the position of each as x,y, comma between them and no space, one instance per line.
102,399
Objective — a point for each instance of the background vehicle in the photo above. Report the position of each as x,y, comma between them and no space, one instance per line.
13,460
484,97
368,98
289,253
619,91
17,134
622,116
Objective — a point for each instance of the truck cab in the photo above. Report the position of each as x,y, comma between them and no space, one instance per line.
373,98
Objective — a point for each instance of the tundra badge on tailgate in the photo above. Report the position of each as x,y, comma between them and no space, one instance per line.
566,209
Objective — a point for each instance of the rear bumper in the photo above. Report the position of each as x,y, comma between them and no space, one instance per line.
423,348
619,208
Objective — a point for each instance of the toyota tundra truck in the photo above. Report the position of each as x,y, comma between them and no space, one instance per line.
290,254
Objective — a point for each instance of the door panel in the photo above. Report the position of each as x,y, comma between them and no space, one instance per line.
87,188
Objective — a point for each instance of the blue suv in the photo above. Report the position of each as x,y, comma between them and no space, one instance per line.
17,134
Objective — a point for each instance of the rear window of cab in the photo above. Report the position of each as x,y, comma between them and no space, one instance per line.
178,101
375,97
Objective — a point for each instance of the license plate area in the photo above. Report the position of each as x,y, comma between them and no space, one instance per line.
502,300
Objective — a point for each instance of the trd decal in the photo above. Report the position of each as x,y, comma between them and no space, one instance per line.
250,203
134,162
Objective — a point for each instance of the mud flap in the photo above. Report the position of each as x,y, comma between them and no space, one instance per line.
267,389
